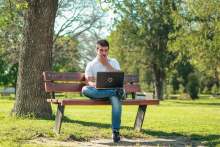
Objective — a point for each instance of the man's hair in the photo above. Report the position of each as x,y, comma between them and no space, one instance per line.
103,43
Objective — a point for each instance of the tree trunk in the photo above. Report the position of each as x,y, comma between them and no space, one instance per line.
217,78
159,76
35,57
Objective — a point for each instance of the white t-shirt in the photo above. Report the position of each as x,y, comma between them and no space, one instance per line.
95,66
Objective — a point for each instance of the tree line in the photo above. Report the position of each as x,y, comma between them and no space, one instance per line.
174,41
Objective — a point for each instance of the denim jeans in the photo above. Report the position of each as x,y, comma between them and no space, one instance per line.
107,94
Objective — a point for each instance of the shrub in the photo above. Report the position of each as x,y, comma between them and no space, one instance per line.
192,86
215,89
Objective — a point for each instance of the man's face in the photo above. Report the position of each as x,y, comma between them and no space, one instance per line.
102,51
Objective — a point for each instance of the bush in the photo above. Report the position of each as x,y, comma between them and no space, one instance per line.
215,90
192,86
175,83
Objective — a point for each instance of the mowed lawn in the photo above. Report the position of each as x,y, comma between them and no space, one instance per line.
196,121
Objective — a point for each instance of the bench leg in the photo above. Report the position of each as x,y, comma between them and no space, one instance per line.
59,116
140,117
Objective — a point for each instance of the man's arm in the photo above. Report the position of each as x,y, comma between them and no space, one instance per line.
90,81
89,77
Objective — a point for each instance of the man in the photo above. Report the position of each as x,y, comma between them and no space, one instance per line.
103,63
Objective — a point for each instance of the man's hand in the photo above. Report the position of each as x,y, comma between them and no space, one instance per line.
91,81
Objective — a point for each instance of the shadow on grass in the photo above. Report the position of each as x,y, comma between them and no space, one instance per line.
173,138
169,139
211,139
85,123
195,103
7,97
156,142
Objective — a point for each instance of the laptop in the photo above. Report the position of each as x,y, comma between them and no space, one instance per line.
109,80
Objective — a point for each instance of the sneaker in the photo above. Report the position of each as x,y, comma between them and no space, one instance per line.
116,136
121,93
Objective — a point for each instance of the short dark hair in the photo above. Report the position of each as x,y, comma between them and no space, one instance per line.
103,43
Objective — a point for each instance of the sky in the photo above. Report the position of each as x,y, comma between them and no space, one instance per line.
70,12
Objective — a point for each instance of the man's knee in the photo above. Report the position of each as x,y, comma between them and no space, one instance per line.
86,90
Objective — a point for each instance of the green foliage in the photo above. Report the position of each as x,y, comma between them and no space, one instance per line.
207,83
180,72
193,85
11,21
215,89
175,83
22,5
8,73
141,37
184,68
198,25
66,56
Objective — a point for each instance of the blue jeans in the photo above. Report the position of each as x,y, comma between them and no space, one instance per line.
109,94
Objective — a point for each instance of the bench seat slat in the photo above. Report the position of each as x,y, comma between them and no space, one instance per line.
100,102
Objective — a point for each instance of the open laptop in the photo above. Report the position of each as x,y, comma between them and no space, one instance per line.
109,80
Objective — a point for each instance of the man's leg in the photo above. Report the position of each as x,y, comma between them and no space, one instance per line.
93,93
116,117
112,95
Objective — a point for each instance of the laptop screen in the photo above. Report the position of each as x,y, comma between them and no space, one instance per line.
109,80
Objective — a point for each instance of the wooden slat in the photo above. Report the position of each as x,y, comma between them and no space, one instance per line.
77,76
63,76
63,87
76,87
132,88
131,79
100,102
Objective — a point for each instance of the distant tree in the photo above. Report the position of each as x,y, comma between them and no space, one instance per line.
175,83
75,17
10,41
183,68
8,73
82,21
150,23
11,22
66,55
198,23
192,86
3,66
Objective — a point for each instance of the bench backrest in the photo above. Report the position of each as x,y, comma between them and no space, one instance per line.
74,81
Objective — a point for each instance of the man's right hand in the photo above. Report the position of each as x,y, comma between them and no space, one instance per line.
91,81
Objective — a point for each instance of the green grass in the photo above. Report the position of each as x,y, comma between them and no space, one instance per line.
197,121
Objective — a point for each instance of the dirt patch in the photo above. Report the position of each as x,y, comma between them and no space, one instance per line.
125,142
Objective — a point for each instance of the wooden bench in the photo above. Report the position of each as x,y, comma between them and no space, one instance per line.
73,82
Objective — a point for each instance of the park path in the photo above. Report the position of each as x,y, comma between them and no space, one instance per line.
125,142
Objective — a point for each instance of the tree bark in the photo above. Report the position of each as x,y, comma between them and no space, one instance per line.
159,76
35,57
